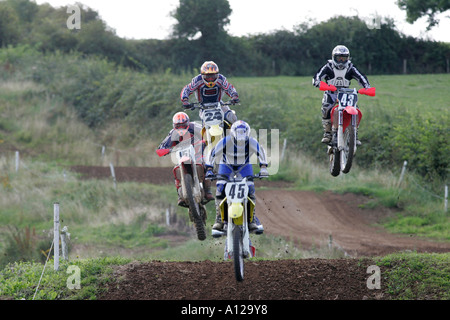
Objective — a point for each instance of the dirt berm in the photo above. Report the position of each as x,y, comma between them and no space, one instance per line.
308,219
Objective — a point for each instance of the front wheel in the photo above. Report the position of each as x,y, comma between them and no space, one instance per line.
349,149
194,208
238,254
335,165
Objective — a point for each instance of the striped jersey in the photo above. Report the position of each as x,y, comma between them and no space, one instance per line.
339,78
205,94
227,152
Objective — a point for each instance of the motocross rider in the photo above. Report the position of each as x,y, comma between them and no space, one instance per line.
234,151
209,86
184,130
338,72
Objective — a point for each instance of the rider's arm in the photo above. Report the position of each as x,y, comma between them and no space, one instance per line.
227,87
191,87
256,148
359,76
324,73
167,142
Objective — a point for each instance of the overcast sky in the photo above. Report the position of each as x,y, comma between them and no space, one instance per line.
150,19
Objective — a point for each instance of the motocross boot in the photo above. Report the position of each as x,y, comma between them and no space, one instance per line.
255,225
358,142
218,225
326,123
181,201
208,194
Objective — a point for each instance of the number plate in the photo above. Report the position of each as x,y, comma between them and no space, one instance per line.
212,117
347,99
236,192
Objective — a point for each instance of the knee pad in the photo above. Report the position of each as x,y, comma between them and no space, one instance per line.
220,190
251,191
230,117
326,110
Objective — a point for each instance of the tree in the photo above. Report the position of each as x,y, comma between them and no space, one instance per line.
206,17
9,24
416,9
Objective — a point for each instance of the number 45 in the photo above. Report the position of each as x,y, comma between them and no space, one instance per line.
240,193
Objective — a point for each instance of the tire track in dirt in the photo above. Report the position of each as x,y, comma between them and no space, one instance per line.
309,219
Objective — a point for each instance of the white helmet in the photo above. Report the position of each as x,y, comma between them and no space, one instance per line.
340,57
240,131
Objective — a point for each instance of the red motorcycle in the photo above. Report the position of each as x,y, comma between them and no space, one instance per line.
345,119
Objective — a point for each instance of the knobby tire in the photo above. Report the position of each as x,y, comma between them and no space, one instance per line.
349,149
194,208
238,254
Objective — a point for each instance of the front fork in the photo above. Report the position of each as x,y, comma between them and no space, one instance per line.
228,253
340,133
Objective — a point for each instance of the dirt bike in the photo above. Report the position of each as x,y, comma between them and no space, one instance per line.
237,210
189,174
345,119
214,125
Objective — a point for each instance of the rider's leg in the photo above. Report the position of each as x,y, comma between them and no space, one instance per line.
220,195
181,201
247,171
229,115
358,142
253,225
327,105
207,187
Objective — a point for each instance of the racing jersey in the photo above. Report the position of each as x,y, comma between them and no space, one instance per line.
176,136
205,94
226,152
339,78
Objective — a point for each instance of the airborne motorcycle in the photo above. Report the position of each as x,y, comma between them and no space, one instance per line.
345,119
189,174
237,210
213,122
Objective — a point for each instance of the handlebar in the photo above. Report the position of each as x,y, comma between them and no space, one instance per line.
224,177
201,105
325,87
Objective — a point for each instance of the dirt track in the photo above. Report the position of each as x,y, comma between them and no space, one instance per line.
309,219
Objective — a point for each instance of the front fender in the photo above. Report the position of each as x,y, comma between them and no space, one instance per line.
215,130
351,110
235,210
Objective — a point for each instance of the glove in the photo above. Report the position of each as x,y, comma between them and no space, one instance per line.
263,172
235,100
186,103
209,173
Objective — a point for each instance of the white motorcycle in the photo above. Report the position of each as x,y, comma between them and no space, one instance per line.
237,210
190,175
214,124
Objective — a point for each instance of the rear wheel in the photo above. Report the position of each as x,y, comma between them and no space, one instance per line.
194,208
238,254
